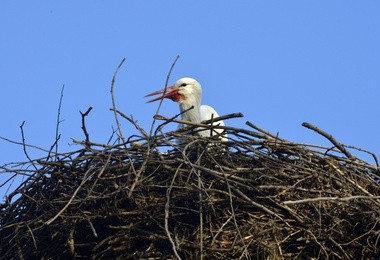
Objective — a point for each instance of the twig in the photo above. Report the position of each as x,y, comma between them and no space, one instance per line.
84,124
92,228
133,122
113,100
52,147
365,151
205,125
24,146
168,120
225,117
329,137
220,230
57,135
338,199
111,137
32,235
263,131
8,180
166,86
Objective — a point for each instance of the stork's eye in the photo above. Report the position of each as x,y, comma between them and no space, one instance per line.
183,85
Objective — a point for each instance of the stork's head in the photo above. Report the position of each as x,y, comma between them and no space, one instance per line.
184,91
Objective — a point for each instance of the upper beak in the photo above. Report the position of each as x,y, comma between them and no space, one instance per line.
169,92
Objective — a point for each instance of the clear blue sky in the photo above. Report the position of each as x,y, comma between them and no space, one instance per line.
280,63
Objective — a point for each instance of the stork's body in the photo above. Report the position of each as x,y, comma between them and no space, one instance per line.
188,93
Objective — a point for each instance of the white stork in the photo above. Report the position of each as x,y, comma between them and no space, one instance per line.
188,93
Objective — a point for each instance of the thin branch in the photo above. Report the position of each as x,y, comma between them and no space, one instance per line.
133,122
168,120
166,86
55,144
337,199
205,125
201,124
84,124
113,100
248,123
57,135
329,137
24,146
365,151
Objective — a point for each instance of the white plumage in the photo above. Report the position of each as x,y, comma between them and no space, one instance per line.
188,93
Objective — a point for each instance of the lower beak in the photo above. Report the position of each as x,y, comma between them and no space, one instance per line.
169,92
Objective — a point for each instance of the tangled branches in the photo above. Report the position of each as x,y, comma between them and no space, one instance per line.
256,196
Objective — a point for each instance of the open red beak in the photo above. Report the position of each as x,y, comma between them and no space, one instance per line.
169,92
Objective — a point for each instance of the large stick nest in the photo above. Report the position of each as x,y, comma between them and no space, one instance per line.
256,196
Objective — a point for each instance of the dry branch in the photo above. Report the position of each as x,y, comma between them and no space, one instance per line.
84,124
113,100
329,137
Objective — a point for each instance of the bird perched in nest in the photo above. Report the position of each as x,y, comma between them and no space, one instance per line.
188,93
